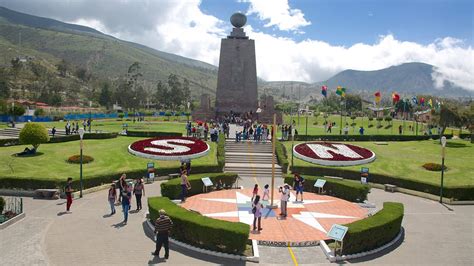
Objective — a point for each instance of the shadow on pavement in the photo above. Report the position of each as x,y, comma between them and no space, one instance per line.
119,225
190,253
107,215
62,213
381,253
156,260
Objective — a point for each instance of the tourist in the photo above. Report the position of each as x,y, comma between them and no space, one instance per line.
346,130
73,126
298,185
53,131
77,127
255,191
185,186
361,130
266,192
329,128
206,131
112,197
265,134
121,184
285,195
68,191
400,131
257,213
188,129
163,227
139,190
126,197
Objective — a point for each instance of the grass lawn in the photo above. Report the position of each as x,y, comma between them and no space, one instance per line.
405,159
318,129
110,156
117,126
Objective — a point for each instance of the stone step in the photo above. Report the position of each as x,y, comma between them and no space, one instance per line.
250,171
247,154
254,165
243,175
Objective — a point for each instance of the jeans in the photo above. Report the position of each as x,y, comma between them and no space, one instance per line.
112,205
162,240
283,207
68,201
125,208
139,201
184,192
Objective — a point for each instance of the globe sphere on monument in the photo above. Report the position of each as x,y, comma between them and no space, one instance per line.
238,20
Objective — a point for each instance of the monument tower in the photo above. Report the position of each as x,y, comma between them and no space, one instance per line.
237,76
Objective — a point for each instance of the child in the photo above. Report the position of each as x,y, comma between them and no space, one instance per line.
255,191
266,193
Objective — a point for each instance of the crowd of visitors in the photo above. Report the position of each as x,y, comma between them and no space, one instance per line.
204,130
73,128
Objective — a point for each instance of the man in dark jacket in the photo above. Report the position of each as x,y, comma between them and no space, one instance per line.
163,227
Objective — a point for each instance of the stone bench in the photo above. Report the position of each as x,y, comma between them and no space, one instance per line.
47,193
390,187
171,176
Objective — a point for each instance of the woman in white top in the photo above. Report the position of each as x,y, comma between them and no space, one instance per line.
257,213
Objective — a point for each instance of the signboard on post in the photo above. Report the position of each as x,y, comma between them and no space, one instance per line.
151,171
337,232
207,182
320,185
364,175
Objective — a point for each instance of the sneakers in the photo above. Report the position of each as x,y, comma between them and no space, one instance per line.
155,253
167,256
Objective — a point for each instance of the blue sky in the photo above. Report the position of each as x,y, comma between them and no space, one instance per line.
346,22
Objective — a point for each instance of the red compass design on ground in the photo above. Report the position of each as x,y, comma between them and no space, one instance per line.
309,220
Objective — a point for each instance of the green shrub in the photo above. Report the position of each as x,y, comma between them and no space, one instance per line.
67,138
9,142
199,230
34,134
433,167
77,159
465,136
366,137
39,112
282,156
2,205
344,189
172,188
374,231
153,134
465,192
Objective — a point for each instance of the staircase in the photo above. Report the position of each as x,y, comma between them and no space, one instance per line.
14,133
252,161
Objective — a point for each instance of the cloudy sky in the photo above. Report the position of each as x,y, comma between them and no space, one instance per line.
304,40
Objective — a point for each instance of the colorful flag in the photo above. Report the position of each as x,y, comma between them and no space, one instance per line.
324,90
438,106
414,100
422,101
395,97
430,103
341,91
378,96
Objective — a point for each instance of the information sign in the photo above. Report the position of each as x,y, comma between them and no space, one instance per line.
207,181
320,183
364,175
337,232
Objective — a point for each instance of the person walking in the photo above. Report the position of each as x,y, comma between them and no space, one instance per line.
68,191
121,184
53,131
266,192
185,185
257,213
285,192
255,191
298,185
139,190
163,227
112,197
126,196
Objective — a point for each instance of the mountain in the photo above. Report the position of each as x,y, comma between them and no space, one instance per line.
106,57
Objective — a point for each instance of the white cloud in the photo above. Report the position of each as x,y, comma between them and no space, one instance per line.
278,13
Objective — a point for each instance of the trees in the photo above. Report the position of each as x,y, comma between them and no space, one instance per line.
34,134
16,110
449,115
62,67
4,89
105,97
39,112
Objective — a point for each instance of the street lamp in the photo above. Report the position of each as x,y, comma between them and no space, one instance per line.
443,149
81,135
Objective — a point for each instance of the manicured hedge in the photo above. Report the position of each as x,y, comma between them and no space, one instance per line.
282,156
131,133
375,231
453,192
9,142
344,189
58,139
172,188
367,137
32,183
199,230
465,136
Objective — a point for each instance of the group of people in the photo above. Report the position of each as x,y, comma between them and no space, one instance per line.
287,131
255,132
203,130
74,127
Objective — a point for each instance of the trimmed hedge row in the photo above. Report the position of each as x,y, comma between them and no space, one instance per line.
344,189
32,183
282,156
172,188
453,192
131,133
58,139
367,137
9,142
374,231
199,230
465,136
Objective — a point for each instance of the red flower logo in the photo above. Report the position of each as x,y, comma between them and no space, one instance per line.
169,148
333,154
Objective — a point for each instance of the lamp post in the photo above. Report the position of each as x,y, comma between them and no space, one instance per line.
443,151
188,104
81,135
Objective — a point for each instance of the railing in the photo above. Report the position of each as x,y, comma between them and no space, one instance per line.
13,207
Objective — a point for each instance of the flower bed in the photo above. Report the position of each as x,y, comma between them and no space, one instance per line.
169,148
77,159
433,167
333,154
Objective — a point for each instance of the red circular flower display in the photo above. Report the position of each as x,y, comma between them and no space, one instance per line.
169,148
333,154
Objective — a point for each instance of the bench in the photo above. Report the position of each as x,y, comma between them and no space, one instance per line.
171,176
47,193
390,187
334,177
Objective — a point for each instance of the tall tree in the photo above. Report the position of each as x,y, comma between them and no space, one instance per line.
161,95
4,89
62,67
449,115
105,97
176,91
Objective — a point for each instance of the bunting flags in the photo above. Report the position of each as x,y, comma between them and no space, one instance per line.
422,101
378,96
395,97
324,91
414,100
341,91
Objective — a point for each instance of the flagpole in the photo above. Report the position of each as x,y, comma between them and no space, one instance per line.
272,206
340,125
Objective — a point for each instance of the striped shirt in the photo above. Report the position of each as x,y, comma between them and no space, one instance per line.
163,224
